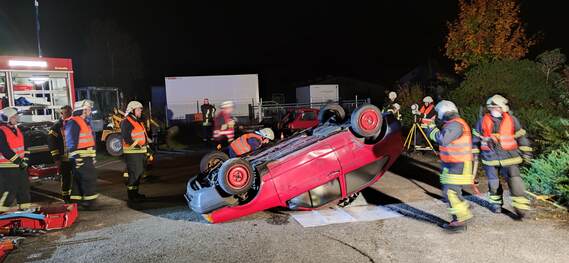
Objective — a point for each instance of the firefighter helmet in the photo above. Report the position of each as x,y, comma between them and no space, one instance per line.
266,133
444,107
7,113
82,104
498,101
133,105
428,99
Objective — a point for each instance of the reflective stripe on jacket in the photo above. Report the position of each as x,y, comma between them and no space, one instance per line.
241,145
16,144
86,141
138,133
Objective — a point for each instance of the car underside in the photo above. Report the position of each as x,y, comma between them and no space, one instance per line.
310,169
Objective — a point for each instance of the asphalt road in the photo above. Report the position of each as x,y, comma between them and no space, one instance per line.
164,230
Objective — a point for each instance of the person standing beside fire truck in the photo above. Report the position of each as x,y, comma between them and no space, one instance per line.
80,144
14,184
56,144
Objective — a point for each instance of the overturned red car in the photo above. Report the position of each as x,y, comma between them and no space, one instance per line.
330,163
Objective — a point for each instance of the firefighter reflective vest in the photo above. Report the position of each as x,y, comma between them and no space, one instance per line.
459,150
16,144
138,134
425,113
457,158
505,136
241,145
86,143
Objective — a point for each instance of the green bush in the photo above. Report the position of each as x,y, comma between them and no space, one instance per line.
549,174
522,82
407,96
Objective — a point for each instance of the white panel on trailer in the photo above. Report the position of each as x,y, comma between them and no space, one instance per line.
323,93
184,95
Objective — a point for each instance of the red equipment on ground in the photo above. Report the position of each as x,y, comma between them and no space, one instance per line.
45,218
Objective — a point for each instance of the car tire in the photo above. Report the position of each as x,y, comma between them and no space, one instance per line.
329,111
113,144
235,176
212,159
366,121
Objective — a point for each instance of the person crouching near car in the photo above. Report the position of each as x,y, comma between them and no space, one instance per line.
14,184
135,148
455,146
250,142
80,144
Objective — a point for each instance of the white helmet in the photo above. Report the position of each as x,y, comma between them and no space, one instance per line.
444,107
267,133
392,95
133,105
7,113
428,99
227,104
82,104
498,101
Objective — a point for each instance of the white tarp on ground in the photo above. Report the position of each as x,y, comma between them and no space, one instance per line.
343,215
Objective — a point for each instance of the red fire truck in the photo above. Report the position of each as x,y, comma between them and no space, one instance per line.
37,87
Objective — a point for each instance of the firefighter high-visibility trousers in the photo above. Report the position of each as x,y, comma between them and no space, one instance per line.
516,184
458,207
14,186
84,181
65,170
135,165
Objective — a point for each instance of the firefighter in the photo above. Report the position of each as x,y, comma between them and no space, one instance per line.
224,130
503,147
80,145
56,143
427,112
395,109
208,112
14,184
455,145
249,142
135,148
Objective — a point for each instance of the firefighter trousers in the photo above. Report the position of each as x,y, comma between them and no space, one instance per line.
511,174
65,171
135,165
458,206
14,186
84,180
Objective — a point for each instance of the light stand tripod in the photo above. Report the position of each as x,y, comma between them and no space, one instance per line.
411,139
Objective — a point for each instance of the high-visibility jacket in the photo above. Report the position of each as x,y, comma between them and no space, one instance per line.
455,145
501,140
224,127
459,150
86,142
15,143
241,145
138,133
427,114
504,137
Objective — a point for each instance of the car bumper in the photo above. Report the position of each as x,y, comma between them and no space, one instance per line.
203,199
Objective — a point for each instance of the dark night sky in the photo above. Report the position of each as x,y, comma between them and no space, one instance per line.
283,41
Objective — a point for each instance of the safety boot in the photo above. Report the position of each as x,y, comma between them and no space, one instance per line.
519,214
495,208
135,197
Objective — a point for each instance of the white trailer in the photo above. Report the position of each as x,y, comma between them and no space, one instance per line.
317,94
184,95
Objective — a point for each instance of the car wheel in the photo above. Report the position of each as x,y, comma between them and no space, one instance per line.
114,144
348,200
212,159
235,176
330,111
366,121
